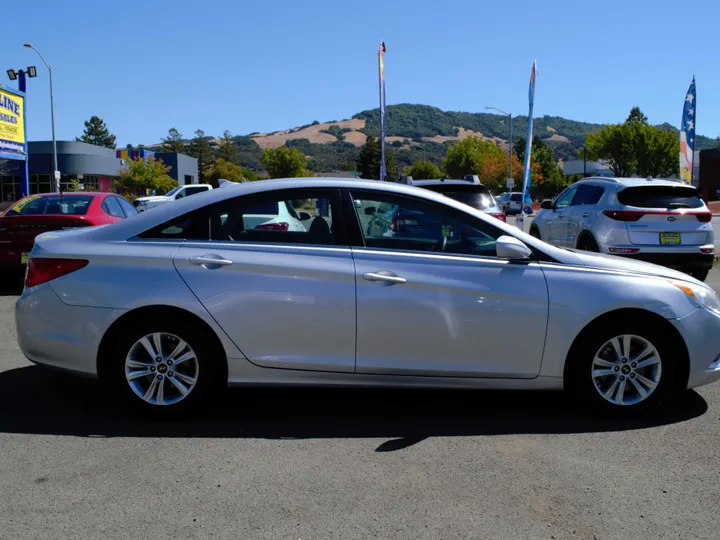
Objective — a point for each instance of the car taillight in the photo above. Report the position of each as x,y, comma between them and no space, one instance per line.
707,250
40,270
498,215
624,215
277,226
704,217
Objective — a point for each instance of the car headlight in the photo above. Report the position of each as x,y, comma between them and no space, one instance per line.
702,295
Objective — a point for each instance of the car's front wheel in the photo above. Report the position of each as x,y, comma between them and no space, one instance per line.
163,367
700,273
624,367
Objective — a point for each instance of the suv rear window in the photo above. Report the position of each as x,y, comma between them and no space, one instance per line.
516,197
475,196
661,197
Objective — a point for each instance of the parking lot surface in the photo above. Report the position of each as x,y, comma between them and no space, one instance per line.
305,464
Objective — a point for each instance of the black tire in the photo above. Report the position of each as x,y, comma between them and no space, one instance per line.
210,374
587,243
535,233
700,272
579,379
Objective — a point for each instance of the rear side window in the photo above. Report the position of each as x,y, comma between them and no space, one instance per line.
661,197
112,208
475,196
128,208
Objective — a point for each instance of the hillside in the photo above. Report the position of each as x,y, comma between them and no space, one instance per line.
414,132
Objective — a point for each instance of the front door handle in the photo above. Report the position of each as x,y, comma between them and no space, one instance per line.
560,215
384,275
586,214
210,259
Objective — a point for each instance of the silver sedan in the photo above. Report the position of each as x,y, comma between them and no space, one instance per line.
171,306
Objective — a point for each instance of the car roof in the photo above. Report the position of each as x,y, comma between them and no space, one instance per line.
446,182
72,193
622,182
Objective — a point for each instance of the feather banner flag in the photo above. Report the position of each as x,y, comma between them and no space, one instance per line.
687,134
381,68
527,201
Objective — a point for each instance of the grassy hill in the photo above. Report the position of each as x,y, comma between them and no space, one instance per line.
414,132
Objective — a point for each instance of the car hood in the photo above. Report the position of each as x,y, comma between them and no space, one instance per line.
154,198
614,262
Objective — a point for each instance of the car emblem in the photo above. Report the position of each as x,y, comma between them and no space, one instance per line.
671,218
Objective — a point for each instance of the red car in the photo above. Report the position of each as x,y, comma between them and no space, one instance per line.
30,216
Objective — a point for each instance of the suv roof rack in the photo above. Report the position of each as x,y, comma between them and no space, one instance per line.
472,178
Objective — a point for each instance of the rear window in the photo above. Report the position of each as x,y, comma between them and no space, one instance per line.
267,208
475,196
661,197
73,205
516,197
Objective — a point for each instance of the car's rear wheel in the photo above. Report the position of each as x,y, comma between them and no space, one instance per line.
535,232
587,243
164,367
624,367
700,272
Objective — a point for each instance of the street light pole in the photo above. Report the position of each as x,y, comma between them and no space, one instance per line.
510,144
52,118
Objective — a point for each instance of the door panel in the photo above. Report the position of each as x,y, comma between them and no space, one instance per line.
283,306
451,316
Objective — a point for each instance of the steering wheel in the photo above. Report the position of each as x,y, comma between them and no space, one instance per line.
441,244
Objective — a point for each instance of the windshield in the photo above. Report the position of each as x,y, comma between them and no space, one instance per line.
74,205
476,196
173,191
661,197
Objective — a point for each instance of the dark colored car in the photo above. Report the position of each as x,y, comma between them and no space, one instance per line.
36,214
468,191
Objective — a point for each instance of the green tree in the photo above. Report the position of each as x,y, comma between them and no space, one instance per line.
225,169
423,170
97,133
636,115
545,173
227,149
368,162
173,142
476,156
656,152
284,162
615,145
200,149
145,174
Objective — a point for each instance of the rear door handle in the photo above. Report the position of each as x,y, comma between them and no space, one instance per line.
210,259
384,275
561,215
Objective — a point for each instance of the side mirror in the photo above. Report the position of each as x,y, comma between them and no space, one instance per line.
370,211
509,247
358,203
546,204
304,216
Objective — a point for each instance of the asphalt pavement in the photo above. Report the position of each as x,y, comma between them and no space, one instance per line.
307,464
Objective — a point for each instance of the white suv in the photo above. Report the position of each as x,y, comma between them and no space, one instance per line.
660,221
179,192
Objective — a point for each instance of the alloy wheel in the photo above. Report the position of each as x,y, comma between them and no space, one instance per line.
161,369
626,370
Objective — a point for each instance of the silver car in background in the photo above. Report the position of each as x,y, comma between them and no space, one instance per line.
171,306
659,221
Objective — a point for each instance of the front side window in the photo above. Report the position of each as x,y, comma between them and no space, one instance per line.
285,217
563,201
587,195
396,222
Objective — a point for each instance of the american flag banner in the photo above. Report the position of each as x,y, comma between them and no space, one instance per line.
381,68
687,134
527,201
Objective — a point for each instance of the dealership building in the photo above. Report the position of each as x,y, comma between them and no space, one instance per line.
96,167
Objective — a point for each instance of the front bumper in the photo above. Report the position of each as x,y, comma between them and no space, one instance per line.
53,333
701,332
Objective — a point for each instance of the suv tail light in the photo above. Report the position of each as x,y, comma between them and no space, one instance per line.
498,215
43,270
634,215
277,226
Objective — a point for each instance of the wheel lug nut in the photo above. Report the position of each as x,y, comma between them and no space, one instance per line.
622,377
170,373
634,364
624,360
632,375
158,359
616,368
152,369
159,377
169,362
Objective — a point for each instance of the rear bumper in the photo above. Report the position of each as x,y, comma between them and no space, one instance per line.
53,333
675,260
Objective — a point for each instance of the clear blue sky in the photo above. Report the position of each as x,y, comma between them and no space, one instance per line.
248,65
